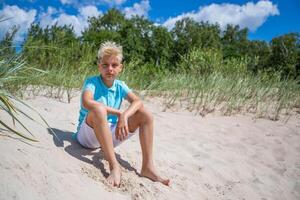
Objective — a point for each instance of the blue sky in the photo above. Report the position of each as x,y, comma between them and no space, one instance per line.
264,18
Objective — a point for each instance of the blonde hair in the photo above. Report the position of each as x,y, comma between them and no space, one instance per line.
110,48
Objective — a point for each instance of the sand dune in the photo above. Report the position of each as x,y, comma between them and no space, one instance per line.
212,157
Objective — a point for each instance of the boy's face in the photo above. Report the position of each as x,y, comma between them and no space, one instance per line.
109,68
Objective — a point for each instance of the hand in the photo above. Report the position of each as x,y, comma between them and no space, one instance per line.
122,127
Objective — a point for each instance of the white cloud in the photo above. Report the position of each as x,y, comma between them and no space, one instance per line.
66,1
249,15
114,2
79,3
19,17
46,18
75,21
89,11
140,9
79,22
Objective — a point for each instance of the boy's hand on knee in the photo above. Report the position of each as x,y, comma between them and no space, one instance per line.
122,128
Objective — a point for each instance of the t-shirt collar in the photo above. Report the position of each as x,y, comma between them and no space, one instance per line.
112,88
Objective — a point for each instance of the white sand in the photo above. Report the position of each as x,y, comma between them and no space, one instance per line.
215,157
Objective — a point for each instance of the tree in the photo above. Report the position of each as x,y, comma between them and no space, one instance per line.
285,54
189,34
6,44
235,41
106,27
162,46
48,47
261,50
136,38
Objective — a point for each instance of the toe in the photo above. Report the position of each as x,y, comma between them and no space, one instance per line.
166,182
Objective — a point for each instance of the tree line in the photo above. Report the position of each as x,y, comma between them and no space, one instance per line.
144,42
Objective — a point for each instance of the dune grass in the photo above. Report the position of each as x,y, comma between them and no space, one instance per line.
267,98
203,82
13,74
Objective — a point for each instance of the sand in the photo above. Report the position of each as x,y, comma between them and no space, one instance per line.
211,157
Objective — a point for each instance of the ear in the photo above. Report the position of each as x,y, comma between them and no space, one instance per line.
121,67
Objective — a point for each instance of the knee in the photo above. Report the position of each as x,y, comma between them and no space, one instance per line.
146,115
99,112
96,115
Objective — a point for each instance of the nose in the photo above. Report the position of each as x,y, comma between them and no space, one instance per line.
110,68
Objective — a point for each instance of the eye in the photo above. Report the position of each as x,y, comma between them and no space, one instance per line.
115,65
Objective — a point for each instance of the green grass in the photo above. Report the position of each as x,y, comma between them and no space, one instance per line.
13,74
229,94
208,84
225,86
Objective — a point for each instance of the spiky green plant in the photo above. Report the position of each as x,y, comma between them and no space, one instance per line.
10,74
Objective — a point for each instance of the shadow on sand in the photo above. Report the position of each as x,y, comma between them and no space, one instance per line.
76,150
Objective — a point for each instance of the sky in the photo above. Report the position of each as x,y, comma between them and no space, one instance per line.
265,19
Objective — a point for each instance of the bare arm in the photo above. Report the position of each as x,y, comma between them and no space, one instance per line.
89,103
135,104
122,126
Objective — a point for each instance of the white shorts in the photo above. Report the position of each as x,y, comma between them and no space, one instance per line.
87,138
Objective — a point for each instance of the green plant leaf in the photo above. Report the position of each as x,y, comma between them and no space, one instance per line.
17,133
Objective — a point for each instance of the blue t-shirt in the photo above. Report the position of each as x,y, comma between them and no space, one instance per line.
111,97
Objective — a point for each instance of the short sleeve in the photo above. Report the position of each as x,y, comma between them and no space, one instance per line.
89,85
125,89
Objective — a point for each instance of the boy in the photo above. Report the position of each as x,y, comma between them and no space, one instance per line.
102,124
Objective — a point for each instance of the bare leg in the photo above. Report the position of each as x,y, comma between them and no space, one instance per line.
97,119
144,120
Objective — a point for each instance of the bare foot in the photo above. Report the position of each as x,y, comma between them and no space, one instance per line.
151,174
114,177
